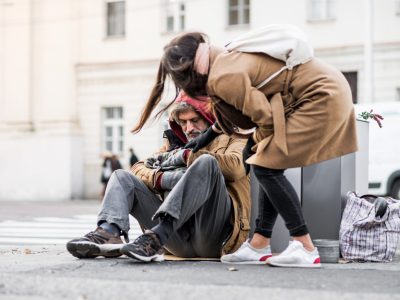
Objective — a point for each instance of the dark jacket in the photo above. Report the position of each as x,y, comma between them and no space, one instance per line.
115,165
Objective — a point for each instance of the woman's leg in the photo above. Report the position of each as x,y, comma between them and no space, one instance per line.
284,199
265,221
256,250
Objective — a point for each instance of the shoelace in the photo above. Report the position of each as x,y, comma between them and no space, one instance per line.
96,237
146,243
145,239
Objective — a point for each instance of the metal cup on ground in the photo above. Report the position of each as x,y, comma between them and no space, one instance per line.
328,250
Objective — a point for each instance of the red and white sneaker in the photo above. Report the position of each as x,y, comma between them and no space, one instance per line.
296,256
247,254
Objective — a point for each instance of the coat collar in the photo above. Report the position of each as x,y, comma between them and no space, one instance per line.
214,52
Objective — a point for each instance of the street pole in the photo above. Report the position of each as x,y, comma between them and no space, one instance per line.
368,53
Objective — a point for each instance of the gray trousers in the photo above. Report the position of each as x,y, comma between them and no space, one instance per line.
199,204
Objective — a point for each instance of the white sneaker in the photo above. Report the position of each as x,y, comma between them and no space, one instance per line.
296,256
247,254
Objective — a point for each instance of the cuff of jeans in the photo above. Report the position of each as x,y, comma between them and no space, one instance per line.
265,233
299,231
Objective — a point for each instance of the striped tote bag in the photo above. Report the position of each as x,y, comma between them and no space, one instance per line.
370,228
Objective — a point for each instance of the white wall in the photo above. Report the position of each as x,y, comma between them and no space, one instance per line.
40,138
142,40
15,68
112,60
58,69
40,167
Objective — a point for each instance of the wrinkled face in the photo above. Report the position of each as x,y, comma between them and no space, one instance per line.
192,124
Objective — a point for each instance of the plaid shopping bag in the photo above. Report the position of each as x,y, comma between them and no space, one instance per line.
368,233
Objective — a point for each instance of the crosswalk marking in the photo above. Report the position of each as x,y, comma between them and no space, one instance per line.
52,231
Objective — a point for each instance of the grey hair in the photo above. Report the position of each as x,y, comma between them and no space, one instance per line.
178,108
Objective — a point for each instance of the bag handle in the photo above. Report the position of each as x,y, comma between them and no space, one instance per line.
369,197
380,204
366,196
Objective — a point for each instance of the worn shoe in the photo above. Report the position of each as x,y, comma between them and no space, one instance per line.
296,256
96,243
145,248
247,254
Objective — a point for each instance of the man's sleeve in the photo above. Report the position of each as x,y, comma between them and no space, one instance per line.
230,162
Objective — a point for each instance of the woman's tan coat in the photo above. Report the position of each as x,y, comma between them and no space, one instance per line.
303,116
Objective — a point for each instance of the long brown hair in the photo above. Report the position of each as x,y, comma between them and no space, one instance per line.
177,62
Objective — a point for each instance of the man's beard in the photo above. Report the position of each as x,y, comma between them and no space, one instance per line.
192,135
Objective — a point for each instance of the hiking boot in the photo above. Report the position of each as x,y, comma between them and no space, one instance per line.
145,248
247,254
96,243
296,256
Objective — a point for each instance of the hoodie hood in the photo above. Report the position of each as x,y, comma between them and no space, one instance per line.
201,104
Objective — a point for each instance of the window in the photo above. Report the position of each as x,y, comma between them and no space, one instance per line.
238,12
174,15
115,13
352,80
113,130
321,10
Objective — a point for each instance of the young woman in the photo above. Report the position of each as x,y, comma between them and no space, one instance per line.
301,117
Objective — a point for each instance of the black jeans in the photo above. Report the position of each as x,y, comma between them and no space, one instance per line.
277,195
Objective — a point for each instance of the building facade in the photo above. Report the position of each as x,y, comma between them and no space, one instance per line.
74,75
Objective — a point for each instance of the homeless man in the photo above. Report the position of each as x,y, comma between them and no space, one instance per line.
206,204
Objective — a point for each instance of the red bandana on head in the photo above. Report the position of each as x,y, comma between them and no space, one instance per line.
201,104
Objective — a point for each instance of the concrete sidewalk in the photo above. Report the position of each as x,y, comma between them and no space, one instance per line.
50,272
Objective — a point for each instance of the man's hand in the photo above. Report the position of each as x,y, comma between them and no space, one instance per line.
247,152
203,139
176,160
152,162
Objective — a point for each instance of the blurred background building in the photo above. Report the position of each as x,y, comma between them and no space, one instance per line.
75,74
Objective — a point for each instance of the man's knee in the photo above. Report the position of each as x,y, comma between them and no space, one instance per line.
124,177
121,174
206,160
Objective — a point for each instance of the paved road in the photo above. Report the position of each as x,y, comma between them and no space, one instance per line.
47,271
27,210
51,273
51,230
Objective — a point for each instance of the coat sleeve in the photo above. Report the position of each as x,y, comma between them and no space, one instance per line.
236,89
147,175
230,162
